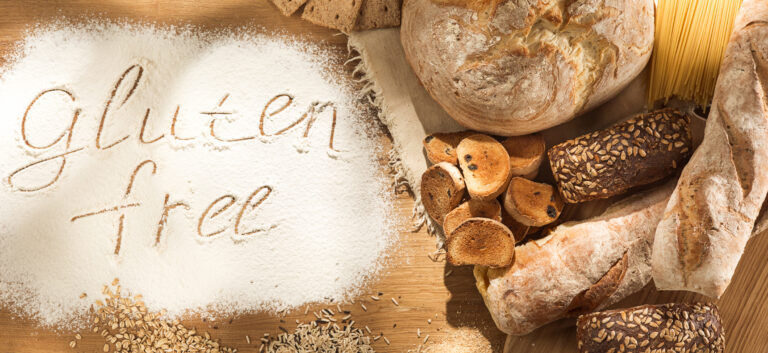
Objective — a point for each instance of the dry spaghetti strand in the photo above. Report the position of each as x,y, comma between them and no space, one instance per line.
690,40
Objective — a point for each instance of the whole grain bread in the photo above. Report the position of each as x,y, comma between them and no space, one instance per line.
667,328
288,7
379,14
472,208
641,150
512,67
442,188
480,241
718,198
579,266
336,14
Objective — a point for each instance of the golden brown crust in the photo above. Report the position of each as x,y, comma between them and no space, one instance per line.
525,154
481,241
668,328
531,203
441,147
473,208
592,297
644,149
485,166
442,188
341,15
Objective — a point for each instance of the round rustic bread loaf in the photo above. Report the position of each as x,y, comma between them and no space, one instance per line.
513,67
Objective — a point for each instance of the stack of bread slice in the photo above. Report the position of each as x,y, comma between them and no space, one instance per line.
345,15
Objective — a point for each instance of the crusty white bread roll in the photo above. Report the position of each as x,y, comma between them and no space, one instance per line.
712,211
516,67
578,268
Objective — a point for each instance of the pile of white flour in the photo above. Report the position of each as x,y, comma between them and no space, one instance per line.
203,171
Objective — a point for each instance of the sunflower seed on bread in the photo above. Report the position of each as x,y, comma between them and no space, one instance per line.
525,154
473,208
441,146
668,328
485,164
644,149
442,188
531,203
481,241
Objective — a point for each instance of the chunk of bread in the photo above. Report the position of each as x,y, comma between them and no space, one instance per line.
485,164
471,209
519,230
336,14
379,14
441,146
481,241
288,7
531,203
646,148
675,327
525,154
442,188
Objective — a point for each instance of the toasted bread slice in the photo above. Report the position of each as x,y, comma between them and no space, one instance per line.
519,230
525,154
481,241
336,14
442,188
471,209
441,146
531,203
485,164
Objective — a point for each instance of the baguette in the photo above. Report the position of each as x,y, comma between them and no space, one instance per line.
668,328
471,209
718,198
644,149
579,267
485,164
442,188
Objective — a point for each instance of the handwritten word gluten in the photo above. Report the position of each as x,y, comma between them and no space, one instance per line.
129,81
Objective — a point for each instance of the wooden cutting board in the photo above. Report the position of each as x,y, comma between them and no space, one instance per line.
434,298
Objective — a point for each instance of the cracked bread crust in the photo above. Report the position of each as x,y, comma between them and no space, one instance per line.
513,67
721,190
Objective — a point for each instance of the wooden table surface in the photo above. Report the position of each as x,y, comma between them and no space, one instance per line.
420,285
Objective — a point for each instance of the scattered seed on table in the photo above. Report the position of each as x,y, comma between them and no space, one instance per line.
426,339
386,340
418,332
375,298
448,273
368,329
247,339
429,321
364,308
395,301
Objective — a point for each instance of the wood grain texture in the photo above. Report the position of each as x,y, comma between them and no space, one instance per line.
419,284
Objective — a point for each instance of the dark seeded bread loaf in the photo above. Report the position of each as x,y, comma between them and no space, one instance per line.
644,149
669,328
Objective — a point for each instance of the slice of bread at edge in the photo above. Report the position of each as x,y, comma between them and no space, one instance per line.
481,241
525,154
441,146
288,7
485,164
442,188
531,203
471,209
336,14
379,14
